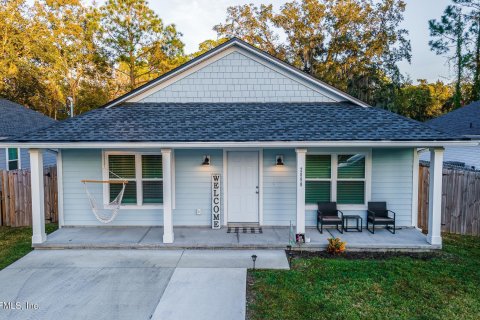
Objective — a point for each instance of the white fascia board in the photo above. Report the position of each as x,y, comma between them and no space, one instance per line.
233,144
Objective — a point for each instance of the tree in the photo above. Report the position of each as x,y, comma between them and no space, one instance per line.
352,44
208,45
450,34
425,100
76,59
253,25
472,18
138,43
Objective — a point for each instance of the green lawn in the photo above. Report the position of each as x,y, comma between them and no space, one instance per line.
433,286
17,242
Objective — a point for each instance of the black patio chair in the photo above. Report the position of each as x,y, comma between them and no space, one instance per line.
377,214
327,214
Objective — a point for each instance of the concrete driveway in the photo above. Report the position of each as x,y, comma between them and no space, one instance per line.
130,284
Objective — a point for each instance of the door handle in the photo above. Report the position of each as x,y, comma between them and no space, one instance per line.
257,191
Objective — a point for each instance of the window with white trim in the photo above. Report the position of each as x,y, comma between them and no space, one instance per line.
336,177
13,158
143,173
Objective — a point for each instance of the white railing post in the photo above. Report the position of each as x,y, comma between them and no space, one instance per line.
167,196
435,197
38,199
301,155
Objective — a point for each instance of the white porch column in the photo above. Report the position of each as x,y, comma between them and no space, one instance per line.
61,220
167,196
435,197
301,154
38,199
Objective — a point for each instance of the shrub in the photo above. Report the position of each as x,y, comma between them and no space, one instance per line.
336,246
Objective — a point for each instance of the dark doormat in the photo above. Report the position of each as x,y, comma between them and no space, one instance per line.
244,230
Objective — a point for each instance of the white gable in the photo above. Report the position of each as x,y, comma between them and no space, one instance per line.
237,76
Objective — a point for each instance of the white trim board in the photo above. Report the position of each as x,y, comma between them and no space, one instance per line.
234,144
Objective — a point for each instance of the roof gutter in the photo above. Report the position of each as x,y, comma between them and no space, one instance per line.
233,144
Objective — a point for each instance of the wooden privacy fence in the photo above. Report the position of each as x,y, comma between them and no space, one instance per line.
16,197
460,200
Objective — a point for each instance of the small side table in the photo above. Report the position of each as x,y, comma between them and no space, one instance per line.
357,218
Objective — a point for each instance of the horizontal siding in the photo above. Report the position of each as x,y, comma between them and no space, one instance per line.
468,155
3,159
279,189
391,182
193,186
237,78
49,159
87,164
392,174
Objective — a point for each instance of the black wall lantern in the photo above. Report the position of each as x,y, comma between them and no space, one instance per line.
279,160
206,160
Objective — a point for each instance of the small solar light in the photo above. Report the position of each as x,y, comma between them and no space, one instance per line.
289,249
254,258
290,258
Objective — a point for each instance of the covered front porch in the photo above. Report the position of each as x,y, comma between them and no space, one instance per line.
408,239
279,192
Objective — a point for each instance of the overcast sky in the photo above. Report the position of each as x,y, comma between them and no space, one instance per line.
195,19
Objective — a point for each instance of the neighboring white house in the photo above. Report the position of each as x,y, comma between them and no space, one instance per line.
278,140
464,121
16,120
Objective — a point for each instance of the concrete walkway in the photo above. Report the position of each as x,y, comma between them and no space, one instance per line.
204,293
129,284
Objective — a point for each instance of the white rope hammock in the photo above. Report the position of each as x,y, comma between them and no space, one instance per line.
101,213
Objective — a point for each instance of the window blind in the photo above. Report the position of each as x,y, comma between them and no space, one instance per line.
351,192
151,166
152,185
12,154
130,195
152,192
316,191
318,166
351,166
121,166
12,159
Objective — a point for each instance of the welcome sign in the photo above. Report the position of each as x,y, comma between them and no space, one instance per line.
216,205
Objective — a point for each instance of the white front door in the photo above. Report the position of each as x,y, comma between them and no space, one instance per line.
242,186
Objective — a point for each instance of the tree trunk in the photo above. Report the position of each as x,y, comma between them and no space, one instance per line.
457,99
476,75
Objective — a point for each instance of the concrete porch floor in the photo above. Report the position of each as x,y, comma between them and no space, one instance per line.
408,239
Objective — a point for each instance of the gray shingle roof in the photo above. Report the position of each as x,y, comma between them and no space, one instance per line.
463,121
17,120
188,122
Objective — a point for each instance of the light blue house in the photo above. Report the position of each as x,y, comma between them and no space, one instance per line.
464,121
16,120
235,137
